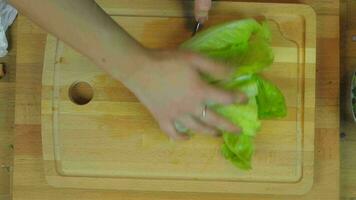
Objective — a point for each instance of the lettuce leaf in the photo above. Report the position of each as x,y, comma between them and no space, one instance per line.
270,100
245,46
238,149
243,116
266,100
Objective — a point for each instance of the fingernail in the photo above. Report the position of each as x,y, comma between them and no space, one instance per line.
202,20
202,16
241,98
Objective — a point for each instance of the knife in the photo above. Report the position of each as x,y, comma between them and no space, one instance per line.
197,27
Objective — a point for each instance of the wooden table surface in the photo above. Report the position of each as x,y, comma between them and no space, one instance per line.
348,127
7,109
28,176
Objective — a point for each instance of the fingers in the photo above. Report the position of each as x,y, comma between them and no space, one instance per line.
205,65
220,123
201,10
219,72
172,132
198,127
241,98
218,96
209,123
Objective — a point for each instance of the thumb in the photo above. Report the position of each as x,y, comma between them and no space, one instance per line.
201,10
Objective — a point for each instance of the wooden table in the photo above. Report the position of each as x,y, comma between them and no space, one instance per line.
28,178
7,109
348,144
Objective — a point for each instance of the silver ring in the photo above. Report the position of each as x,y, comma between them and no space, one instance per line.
205,108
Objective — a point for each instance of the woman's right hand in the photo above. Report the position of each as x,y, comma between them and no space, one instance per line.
170,86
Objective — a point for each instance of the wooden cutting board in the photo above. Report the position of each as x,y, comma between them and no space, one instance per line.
112,142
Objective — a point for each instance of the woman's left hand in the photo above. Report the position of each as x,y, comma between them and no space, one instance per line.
201,10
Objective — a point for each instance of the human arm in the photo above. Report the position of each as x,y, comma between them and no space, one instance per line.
167,82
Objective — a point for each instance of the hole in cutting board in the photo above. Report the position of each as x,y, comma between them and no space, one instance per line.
81,93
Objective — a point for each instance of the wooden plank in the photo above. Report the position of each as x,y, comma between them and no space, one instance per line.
29,181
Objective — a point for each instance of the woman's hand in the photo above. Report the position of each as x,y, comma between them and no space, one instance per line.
201,10
169,84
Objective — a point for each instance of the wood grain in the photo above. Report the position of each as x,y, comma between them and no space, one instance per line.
121,146
29,181
7,108
348,126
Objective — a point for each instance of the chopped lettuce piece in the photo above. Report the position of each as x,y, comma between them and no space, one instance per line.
238,149
270,101
243,116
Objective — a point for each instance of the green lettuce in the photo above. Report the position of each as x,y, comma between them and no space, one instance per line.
245,46
238,149
244,116
266,102
270,101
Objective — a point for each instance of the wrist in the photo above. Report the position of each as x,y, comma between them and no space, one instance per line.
137,73
121,60
128,67
125,67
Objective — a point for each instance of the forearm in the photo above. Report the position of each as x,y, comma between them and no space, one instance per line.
83,25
